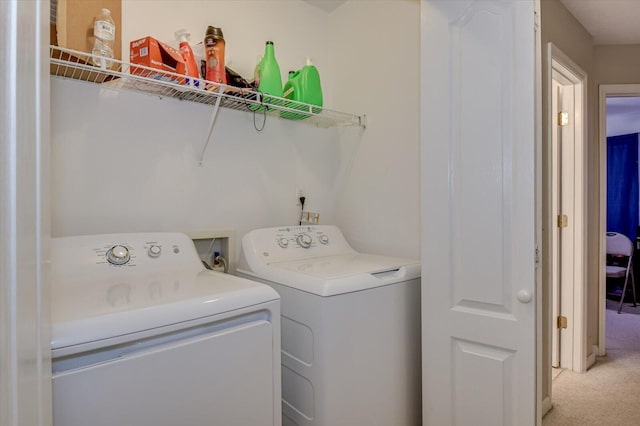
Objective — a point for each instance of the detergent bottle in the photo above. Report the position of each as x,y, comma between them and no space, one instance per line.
303,86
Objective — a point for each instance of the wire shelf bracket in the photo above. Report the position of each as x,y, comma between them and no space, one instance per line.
216,109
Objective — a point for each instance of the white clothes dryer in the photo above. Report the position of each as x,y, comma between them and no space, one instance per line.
350,327
144,335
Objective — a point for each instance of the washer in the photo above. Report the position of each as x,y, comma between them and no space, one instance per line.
350,327
144,335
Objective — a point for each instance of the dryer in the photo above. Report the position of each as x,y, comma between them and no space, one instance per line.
144,335
350,327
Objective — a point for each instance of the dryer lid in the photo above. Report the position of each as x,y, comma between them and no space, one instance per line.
87,312
93,299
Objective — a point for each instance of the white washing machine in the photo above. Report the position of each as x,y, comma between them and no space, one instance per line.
144,335
350,327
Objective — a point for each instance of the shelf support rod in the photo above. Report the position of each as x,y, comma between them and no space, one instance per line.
216,109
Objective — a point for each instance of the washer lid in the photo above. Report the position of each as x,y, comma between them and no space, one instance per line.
332,275
86,311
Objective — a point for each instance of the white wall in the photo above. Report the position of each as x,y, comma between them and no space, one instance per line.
129,162
623,124
623,115
375,57
140,171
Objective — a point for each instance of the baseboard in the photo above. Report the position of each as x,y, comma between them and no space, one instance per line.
591,359
546,405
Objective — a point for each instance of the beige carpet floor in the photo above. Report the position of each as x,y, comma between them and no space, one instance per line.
609,393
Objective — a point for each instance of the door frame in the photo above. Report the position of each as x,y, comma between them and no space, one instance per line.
25,354
605,90
574,292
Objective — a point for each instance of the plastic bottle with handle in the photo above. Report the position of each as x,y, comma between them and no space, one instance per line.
268,77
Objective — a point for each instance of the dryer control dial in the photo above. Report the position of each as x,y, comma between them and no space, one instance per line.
304,240
118,255
283,242
324,239
154,251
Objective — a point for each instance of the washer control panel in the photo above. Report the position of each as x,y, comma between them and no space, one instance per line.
294,242
297,237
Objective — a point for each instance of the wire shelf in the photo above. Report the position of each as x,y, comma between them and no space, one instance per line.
124,76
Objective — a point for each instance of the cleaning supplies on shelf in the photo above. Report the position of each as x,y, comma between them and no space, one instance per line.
104,31
268,79
153,53
214,45
303,86
236,80
190,61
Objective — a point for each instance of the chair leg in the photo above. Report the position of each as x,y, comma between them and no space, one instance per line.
633,286
624,291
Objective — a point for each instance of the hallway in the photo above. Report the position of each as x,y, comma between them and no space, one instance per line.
609,393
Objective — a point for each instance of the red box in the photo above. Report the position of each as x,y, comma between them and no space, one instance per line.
153,53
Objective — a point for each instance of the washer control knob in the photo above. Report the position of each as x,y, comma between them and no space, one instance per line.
118,255
304,240
283,242
324,239
154,251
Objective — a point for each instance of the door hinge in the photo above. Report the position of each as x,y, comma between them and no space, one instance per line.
563,118
562,322
563,221
536,21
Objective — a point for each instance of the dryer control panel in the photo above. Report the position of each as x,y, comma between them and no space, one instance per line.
285,243
144,252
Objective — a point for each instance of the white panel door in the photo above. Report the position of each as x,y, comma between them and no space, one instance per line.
478,151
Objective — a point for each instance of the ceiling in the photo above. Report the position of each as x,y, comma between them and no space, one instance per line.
608,21
612,22
326,5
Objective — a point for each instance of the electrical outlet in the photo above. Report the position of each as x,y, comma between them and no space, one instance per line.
309,218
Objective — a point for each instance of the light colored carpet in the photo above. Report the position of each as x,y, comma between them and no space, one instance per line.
609,393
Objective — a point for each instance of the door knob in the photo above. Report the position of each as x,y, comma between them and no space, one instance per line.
524,296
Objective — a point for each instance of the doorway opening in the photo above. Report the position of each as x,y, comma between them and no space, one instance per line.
626,96
567,207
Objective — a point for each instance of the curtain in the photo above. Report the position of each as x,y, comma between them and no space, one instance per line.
622,184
